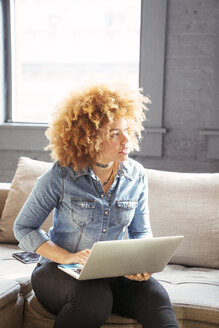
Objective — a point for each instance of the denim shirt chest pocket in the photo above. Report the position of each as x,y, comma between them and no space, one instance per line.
82,211
125,211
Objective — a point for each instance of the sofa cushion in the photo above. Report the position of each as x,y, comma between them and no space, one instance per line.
9,290
192,302
4,189
187,204
14,270
11,304
6,251
194,293
28,170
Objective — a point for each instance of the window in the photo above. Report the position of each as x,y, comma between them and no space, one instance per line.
59,42
35,72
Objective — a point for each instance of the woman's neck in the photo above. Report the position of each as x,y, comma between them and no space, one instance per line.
102,172
106,174
104,166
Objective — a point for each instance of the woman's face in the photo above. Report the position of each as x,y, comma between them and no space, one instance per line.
117,147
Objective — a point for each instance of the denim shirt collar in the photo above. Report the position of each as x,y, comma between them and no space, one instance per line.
123,170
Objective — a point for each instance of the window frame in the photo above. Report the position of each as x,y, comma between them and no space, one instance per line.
30,136
7,50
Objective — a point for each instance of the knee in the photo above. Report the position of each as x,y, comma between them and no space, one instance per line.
159,295
95,304
94,315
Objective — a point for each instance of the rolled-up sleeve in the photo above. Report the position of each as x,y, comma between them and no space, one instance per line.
140,226
44,197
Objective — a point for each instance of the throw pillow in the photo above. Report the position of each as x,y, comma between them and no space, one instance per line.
187,204
28,170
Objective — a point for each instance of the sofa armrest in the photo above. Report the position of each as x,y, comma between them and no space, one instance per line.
4,189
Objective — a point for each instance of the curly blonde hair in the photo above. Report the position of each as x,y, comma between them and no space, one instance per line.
75,134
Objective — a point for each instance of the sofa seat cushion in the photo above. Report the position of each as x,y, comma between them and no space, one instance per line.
36,316
6,251
12,269
194,292
9,291
11,304
179,274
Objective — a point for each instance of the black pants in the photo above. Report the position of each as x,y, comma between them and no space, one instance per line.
87,304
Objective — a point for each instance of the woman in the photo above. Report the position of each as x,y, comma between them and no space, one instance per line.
96,191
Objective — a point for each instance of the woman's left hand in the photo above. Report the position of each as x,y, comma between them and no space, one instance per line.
139,276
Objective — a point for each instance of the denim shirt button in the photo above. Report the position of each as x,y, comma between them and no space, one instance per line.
120,173
102,195
104,230
106,212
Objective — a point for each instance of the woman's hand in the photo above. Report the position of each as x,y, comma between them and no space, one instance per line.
58,254
79,257
139,276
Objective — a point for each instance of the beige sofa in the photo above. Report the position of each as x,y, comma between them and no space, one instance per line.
180,203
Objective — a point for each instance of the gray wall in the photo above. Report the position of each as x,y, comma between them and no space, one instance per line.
191,88
190,95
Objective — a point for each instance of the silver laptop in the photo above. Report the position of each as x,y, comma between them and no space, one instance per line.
124,257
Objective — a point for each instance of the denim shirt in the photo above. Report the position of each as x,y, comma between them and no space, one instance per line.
83,213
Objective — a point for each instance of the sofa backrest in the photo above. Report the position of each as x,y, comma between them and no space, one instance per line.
180,204
187,204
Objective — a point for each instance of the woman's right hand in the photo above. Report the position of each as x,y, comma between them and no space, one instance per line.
79,257
58,254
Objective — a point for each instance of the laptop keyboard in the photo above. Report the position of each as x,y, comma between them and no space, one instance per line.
77,270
